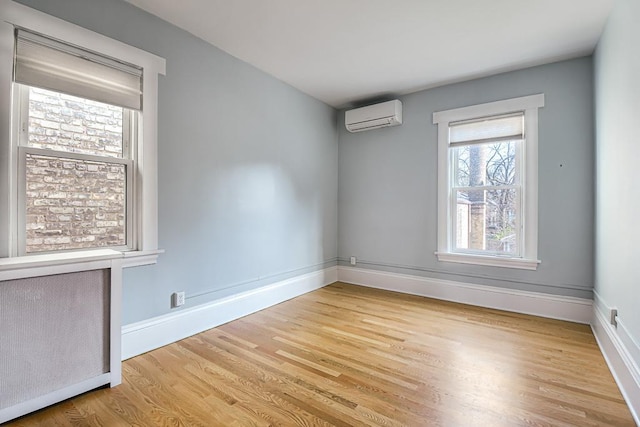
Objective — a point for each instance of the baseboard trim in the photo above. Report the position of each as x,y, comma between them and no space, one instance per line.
556,307
618,349
147,335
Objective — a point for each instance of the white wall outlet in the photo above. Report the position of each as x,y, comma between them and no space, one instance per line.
353,260
613,314
178,299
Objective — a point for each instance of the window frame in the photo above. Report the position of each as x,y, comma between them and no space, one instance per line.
454,187
528,258
128,159
145,221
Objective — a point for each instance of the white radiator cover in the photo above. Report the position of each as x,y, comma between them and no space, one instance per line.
60,327
55,333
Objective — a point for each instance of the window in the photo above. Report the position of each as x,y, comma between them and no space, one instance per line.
80,172
75,156
75,168
487,183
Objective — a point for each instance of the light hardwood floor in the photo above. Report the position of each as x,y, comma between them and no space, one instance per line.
351,356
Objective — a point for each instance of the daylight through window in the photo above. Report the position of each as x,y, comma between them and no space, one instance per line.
486,190
75,155
487,183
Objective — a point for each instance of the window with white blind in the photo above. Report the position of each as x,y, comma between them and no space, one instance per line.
76,146
81,172
487,183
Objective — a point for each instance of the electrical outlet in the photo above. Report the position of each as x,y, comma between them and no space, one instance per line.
353,260
177,299
613,314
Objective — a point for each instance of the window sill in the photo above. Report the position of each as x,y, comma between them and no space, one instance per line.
489,261
139,258
129,259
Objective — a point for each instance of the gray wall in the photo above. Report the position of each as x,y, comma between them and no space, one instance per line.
388,183
617,72
247,167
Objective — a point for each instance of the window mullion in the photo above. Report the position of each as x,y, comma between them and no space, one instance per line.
75,156
519,223
18,188
127,134
486,187
452,225
520,211
23,115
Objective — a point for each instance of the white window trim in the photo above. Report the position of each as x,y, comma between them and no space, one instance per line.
530,105
146,223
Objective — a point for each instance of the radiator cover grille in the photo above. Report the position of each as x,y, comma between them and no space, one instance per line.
54,332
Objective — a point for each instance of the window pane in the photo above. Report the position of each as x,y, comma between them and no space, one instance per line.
67,123
486,220
491,164
74,204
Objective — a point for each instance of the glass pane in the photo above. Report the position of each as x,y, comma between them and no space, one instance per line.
490,164
74,204
67,123
486,220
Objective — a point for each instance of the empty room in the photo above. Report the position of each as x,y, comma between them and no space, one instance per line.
319,213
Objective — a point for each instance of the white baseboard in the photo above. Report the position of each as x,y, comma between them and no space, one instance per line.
621,352
140,337
556,307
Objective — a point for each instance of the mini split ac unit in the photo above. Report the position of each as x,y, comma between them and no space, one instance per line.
374,116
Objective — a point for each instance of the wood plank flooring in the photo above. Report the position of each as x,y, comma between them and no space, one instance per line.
351,356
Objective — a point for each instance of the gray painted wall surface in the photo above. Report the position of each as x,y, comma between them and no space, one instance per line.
247,167
388,190
617,90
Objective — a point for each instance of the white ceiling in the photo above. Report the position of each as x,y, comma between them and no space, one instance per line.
345,51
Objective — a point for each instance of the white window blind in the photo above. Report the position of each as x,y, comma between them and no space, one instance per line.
503,128
50,64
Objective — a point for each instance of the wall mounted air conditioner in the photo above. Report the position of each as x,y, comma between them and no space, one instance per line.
374,116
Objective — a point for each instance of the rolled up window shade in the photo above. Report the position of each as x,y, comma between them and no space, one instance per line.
510,127
51,64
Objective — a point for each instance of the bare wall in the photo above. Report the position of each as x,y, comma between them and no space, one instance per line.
617,90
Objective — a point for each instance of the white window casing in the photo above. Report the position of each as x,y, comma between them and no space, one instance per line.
145,216
504,128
